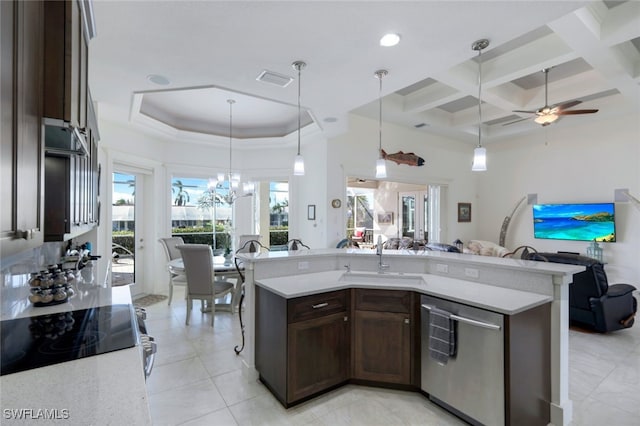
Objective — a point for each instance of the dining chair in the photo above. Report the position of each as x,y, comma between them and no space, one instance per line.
201,282
169,245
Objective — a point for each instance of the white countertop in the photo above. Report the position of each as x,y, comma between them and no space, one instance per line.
101,389
98,390
467,259
91,290
497,299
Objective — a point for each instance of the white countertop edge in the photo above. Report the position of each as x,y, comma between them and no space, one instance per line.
497,299
506,263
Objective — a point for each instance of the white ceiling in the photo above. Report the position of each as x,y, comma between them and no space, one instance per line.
211,51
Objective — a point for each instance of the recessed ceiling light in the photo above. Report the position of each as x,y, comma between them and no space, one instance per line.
158,79
389,40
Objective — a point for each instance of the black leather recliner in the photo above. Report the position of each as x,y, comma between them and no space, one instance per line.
592,301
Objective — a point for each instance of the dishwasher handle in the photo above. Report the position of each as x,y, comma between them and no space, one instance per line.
469,320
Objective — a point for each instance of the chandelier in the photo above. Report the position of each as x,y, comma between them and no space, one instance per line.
233,179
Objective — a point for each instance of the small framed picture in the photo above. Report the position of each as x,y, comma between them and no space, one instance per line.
385,218
311,212
464,212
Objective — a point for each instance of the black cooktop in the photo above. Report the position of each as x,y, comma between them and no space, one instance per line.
34,342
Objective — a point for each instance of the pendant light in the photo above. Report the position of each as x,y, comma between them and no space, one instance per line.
381,166
298,164
480,153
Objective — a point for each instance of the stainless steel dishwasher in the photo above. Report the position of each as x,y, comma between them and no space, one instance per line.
471,382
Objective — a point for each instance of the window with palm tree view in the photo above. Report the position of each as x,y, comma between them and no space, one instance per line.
200,214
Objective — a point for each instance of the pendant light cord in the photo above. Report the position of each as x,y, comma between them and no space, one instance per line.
479,97
380,117
299,73
231,102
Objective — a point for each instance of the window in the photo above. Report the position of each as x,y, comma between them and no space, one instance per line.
278,215
196,207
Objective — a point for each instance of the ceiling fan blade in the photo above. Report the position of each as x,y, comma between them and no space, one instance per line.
516,121
524,112
577,111
566,105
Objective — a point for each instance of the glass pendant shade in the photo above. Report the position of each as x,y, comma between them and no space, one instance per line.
381,168
479,159
298,166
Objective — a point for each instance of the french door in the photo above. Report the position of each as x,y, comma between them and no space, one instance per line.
414,215
126,234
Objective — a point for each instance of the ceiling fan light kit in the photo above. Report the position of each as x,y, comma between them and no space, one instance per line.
479,153
549,114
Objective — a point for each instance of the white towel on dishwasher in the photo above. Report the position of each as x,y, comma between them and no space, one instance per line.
442,335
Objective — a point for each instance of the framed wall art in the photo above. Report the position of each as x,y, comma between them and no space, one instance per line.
385,218
464,212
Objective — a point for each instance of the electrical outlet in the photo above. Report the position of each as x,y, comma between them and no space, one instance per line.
303,265
440,267
470,272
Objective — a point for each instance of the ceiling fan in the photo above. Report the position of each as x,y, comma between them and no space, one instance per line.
548,114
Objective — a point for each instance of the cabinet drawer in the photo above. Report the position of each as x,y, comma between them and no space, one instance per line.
383,300
317,305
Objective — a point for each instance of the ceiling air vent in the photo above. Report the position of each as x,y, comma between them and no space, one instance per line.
274,78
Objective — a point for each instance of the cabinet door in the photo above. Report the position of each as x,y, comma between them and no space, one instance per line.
57,202
318,355
382,346
21,131
66,63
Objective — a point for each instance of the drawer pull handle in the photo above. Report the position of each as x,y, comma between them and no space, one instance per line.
320,305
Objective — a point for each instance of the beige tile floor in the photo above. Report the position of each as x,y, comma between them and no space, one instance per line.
198,380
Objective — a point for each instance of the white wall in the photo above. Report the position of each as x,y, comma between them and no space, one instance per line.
447,162
580,163
583,163
167,156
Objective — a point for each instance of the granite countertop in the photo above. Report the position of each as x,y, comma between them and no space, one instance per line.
497,299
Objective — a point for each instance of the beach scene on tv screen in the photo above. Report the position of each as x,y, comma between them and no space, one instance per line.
581,222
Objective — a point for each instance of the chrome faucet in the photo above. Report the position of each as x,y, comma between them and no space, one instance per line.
381,266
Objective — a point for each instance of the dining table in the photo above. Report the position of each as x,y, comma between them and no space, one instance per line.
224,270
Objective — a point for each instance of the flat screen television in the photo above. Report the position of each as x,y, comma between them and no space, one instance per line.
579,222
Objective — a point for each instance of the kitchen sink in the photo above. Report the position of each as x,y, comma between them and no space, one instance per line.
398,278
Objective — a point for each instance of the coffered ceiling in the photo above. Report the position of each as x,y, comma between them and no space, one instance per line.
211,51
